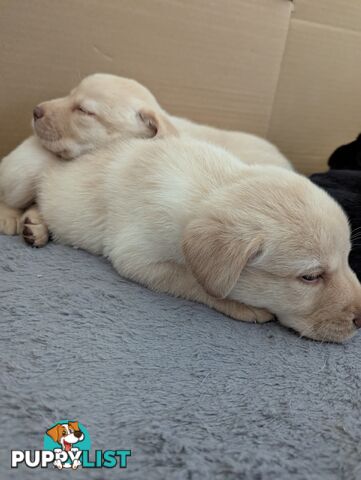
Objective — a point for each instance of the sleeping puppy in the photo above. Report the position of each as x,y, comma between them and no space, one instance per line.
104,108
188,218
100,110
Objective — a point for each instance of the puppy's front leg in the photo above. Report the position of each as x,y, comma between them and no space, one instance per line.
9,220
20,172
34,230
170,277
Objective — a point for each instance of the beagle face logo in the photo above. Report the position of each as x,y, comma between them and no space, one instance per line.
67,439
66,434
67,446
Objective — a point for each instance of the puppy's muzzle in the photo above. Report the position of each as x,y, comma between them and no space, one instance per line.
79,433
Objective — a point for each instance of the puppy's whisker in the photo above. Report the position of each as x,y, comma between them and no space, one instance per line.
354,237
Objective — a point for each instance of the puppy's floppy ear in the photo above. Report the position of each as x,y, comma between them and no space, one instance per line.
157,123
54,433
74,426
216,254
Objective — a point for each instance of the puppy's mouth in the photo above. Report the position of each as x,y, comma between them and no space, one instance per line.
324,331
330,332
53,144
56,148
63,154
67,446
46,131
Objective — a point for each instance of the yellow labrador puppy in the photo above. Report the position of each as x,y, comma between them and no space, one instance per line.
189,218
100,110
105,107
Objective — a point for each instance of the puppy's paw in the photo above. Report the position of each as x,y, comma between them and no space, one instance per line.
240,311
34,230
261,315
58,464
35,235
9,220
76,464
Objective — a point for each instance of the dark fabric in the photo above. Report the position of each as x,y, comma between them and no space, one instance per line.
347,157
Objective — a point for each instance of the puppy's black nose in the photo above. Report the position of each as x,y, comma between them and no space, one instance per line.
38,112
78,433
357,322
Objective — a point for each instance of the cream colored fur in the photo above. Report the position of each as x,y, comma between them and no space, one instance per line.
122,108
9,220
251,149
105,108
188,218
183,216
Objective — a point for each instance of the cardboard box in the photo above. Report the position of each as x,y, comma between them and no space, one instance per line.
318,101
213,61
287,70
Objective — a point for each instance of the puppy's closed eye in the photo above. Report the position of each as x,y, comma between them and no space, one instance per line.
83,110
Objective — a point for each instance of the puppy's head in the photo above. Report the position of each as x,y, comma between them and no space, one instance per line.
276,241
99,110
66,434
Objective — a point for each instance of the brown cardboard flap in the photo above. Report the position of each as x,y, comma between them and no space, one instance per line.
213,61
318,102
338,13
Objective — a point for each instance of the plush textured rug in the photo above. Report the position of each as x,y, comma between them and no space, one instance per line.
193,394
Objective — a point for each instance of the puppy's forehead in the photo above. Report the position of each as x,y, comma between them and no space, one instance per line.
327,250
324,238
93,92
309,232
104,85
111,88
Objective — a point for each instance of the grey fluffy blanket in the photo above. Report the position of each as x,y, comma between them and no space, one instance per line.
193,394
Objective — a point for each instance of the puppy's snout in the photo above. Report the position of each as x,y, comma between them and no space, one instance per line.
38,112
78,433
